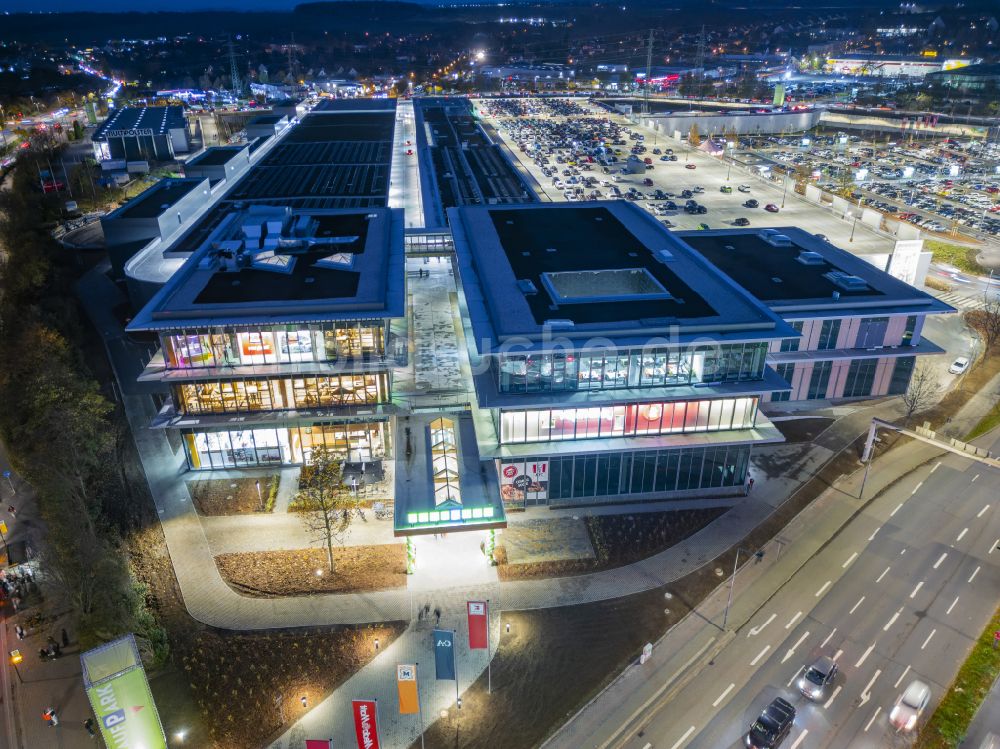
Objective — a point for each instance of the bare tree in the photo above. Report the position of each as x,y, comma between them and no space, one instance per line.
324,503
922,392
986,320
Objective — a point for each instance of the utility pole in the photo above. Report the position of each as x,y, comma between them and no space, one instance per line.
699,62
234,71
291,59
649,68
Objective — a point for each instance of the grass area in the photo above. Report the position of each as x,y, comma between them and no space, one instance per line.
268,574
233,496
937,284
947,726
957,255
617,540
986,424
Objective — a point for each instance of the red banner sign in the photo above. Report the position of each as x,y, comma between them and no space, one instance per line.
479,622
366,724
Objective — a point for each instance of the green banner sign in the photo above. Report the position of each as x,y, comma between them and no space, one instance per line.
125,712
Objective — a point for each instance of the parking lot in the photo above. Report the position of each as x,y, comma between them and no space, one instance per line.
543,140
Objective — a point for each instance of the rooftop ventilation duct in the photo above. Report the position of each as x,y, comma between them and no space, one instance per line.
810,258
846,281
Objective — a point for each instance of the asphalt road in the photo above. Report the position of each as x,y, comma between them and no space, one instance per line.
900,594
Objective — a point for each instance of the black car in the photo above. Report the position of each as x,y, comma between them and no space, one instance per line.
687,194
670,205
741,221
772,727
750,203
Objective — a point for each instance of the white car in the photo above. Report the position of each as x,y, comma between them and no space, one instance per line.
959,366
910,706
744,188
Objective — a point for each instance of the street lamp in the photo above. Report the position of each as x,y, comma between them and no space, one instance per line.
852,228
732,580
260,497
784,191
15,658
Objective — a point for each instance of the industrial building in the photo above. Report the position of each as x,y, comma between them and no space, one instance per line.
142,134
894,66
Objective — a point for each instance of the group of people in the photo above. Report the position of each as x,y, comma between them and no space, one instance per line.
15,585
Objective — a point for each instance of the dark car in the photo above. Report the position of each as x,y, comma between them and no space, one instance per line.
817,677
647,182
670,205
686,194
750,203
741,221
771,208
772,727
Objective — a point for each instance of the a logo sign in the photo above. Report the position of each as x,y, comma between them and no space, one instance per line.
444,654
508,471
406,686
366,723
528,480
478,625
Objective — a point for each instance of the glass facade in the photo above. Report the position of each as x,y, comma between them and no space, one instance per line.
650,472
819,380
792,344
828,333
901,374
639,368
786,371
284,445
626,420
320,342
860,378
238,396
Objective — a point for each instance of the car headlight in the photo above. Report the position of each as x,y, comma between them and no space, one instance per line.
894,714
912,721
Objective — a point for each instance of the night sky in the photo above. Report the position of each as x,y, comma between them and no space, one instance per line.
19,6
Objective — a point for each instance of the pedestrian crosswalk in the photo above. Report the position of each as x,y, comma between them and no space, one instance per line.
960,300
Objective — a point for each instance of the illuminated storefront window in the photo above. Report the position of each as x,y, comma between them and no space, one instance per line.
281,344
285,445
654,367
541,480
549,424
233,396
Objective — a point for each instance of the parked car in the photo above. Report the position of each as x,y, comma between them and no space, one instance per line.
771,208
910,706
664,158
772,727
817,677
647,182
741,221
744,188
959,366
704,226
690,166
726,189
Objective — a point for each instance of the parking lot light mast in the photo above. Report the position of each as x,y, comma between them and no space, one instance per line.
732,582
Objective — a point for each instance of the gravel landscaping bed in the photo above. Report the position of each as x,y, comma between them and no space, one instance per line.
617,540
233,496
271,574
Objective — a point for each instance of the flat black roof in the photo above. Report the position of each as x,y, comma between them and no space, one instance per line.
317,128
588,239
216,156
158,119
306,281
772,273
356,105
266,119
158,198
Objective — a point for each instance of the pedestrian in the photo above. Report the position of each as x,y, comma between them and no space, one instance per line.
42,654
65,638
750,488
12,511
88,726
20,632
51,717
15,602
437,616
57,649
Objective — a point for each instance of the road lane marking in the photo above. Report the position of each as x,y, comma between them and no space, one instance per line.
917,589
791,650
983,511
823,589
994,546
836,656
722,696
760,655
928,639
758,630
833,696
892,620
952,605
872,536
884,573
975,477
900,679
936,466
868,724
800,739
973,575
683,738
793,620
849,560
648,746
916,488
898,508
823,644
902,552
942,557
962,534
865,656
793,677
866,693
860,601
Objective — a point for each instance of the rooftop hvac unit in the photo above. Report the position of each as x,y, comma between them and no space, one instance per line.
810,258
846,281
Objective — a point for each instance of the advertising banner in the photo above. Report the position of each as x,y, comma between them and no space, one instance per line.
524,480
366,723
444,654
406,685
125,712
319,744
478,625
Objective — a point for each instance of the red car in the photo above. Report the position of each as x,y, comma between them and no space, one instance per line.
690,166
771,208
647,182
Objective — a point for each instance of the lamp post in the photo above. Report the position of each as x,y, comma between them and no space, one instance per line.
260,497
852,228
784,191
732,582
15,658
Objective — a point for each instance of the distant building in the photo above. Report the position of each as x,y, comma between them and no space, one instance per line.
972,79
894,66
142,134
544,74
